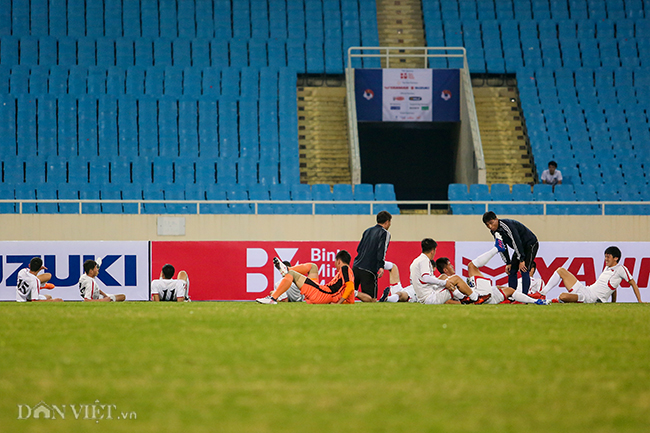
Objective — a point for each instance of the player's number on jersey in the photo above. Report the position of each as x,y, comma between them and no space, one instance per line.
23,287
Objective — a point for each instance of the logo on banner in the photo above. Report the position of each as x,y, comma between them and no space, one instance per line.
398,98
395,107
446,95
258,258
415,98
406,76
368,94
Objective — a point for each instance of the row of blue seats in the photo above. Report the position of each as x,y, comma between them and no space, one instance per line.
140,171
210,82
542,192
232,192
583,78
189,19
536,9
552,209
311,56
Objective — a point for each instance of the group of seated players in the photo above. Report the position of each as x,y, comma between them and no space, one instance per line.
300,282
34,278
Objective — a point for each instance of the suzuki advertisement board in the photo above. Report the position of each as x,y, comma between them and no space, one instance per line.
125,267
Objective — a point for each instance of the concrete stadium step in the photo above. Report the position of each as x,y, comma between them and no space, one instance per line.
400,24
323,135
506,151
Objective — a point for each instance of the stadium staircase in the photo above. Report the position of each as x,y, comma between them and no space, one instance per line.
400,25
506,152
323,135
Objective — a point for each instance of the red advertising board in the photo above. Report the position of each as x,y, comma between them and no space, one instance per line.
244,270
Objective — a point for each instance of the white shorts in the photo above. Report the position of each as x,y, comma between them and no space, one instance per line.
437,298
42,297
584,293
483,286
408,290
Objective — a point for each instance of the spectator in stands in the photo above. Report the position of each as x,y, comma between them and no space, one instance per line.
552,176
368,266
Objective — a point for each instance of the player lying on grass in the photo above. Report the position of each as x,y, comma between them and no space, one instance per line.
88,286
30,283
606,285
395,292
338,291
483,285
432,290
168,289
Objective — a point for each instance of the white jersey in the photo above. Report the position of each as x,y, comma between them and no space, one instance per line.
88,287
422,278
609,281
28,286
168,290
536,285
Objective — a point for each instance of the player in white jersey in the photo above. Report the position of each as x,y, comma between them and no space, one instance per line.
395,292
168,289
30,282
606,285
88,287
483,285
293,293
432,290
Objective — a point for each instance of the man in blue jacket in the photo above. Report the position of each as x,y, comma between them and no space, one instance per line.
523,242
368,265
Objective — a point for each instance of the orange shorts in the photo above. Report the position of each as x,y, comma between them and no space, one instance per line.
315,293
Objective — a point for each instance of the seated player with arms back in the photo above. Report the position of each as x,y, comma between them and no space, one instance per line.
88,286
339,290
604,288
30,283
167,289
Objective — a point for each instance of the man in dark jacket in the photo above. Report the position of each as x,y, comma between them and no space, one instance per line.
371,253
523,243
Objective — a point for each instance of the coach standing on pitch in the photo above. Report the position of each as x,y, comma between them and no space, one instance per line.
523,242
371,253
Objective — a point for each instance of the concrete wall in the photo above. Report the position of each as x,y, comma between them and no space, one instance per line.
319,227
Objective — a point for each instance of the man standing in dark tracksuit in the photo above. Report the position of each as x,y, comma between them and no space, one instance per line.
523,243
368,266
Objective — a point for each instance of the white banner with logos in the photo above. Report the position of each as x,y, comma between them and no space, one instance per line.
125,267
585,260
407,95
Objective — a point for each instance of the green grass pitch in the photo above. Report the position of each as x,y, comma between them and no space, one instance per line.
243,367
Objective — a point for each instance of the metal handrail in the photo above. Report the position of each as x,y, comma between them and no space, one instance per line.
427,203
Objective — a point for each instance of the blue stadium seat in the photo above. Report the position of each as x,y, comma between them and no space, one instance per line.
301,192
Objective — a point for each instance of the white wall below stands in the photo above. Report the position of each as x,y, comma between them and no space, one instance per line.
319,227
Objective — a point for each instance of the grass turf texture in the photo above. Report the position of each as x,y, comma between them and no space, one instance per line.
243,367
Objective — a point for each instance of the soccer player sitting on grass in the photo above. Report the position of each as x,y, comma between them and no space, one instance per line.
395,292
30,283
482,285
293,293
338,291
432,290
88,286
602,289
167,289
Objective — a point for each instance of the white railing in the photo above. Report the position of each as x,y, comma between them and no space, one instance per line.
420,204
425,53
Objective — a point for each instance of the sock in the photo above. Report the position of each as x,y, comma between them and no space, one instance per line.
392,298
388,266
484,258
525,282
473,296
283,286
520,297
458,294
512,279
552,282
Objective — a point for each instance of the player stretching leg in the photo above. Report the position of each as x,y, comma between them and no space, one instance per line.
338,291
602,289
30,283
395,292
484,285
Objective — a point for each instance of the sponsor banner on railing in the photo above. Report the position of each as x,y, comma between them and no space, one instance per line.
125,267
585,260
407,95
244,270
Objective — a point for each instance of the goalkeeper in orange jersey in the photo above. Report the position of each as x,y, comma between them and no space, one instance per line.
340,290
